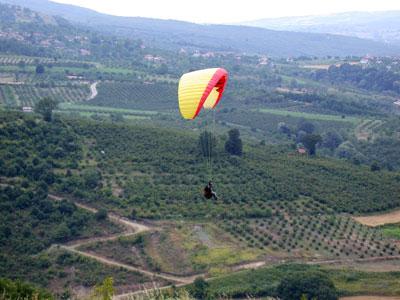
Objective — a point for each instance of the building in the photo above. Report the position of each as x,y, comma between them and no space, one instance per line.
302,151
27,109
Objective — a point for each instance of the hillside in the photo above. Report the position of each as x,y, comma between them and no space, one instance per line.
274,205
174,35
378,26
112,185
30,33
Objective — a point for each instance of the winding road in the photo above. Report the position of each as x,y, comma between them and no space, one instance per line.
93,91
132,228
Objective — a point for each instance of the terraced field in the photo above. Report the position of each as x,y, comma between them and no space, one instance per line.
14,60
136,95
298,230
365,130
28,95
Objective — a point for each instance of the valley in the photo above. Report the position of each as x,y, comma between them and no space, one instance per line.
101,179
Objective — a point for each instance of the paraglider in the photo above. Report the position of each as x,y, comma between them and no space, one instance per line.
197,90
208,191
201,89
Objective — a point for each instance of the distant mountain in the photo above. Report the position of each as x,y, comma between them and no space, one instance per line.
378,26
26,32
174,35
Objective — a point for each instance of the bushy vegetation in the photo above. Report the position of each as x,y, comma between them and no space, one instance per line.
264,282
32,154
365,78
307,285
148,172
161,172
10,290
272,199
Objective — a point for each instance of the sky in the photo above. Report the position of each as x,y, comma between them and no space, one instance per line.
230,11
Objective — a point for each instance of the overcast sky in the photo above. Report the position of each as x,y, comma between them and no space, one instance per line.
230,11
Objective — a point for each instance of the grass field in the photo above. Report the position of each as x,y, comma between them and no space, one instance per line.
179,248
104,109
263,282
319,117
391,231
106,115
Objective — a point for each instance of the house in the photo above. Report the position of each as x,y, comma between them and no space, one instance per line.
302,151
85,52
153,58
263,61
27,109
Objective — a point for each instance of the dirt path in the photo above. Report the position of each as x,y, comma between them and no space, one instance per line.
248,266
133,228
77,243
130,225
110,262
353,260
93,91
381,219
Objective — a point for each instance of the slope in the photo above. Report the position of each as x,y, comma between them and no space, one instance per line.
380,26
175,35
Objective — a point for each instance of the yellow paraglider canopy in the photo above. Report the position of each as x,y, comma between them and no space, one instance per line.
198,89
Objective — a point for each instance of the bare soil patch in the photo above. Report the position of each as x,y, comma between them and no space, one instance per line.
381,219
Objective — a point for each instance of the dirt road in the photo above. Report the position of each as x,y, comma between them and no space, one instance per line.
93,91
130,225
133,228
110,262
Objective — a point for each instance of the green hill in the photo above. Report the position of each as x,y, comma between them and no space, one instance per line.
273,203
380,26
174,35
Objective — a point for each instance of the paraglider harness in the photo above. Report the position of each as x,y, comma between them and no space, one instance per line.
208,191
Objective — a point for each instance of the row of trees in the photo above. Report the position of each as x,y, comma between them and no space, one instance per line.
366,78
208,143
304,285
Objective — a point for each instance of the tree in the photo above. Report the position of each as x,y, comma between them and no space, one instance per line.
134,213
332,140
310,141
101,214
283,128
105,290
313,285
45,107
207,143
375,167
21,64
40,69
306,126
200,288
62,233
234,144
92,178
116,117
